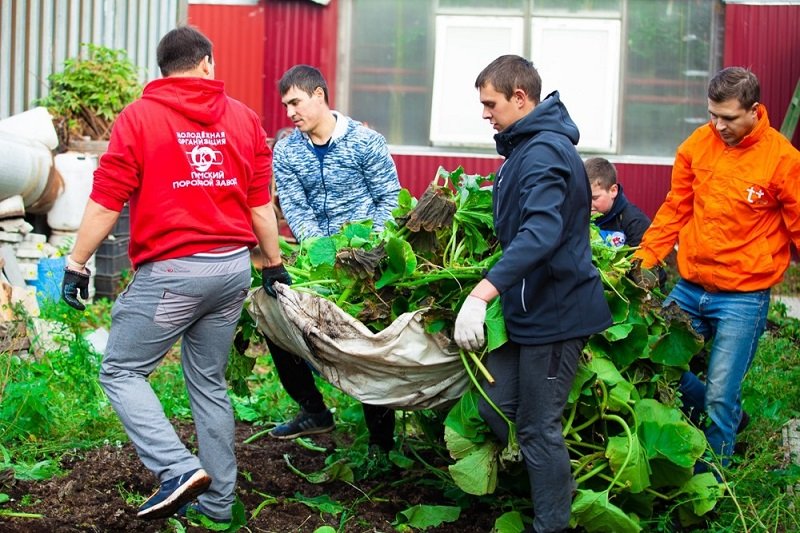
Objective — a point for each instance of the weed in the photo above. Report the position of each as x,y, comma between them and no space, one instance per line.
131,499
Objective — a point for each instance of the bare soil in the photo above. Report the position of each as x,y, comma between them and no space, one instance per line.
91,496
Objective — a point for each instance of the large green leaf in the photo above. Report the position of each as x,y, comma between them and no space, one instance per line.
627,350
664,433
702,491
425,516
593,511
620,396
321,251
605,370
323,503
583,377
496,334
465,420
617,332
509,522
677,346
475,470
620,309
357,233
400,261
637,469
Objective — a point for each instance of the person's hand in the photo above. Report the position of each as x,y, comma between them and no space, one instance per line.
75,283
269,275
645,278
468,333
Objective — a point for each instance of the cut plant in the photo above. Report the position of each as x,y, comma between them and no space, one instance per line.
632,450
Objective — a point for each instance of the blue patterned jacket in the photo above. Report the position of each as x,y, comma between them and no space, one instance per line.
356,180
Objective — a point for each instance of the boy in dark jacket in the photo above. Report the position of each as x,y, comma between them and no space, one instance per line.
621,222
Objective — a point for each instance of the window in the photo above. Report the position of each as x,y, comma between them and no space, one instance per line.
589,88
464,45
632,73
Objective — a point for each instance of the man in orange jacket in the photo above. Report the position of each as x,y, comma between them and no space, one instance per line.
734,209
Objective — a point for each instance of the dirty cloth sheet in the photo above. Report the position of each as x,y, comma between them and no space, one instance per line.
401,367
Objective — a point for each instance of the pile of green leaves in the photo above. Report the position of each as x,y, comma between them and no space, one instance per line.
429,256
632,450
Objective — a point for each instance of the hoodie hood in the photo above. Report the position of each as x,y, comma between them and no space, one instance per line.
549,115
197,99
620,203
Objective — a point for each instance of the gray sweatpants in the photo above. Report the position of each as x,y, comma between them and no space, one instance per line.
198,300
531,387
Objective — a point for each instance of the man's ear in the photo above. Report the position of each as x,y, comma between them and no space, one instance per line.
520,97
613,190
206,65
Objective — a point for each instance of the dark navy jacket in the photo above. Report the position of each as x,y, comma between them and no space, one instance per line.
624,224
549,288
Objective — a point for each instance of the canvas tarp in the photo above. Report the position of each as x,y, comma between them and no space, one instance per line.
401,367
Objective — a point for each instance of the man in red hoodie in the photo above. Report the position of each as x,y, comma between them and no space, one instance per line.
194,166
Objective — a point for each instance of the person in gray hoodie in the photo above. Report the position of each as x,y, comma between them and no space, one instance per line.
329,171
545,279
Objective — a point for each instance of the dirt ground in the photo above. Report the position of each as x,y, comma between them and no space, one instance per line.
91,495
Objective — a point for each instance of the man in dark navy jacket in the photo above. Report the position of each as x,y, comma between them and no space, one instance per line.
551,293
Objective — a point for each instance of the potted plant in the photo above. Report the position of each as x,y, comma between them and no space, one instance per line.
87,95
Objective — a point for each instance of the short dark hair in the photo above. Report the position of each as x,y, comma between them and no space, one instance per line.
182,49
601,171
735,82
510,72
304,77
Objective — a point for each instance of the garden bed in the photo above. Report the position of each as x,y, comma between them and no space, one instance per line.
92,495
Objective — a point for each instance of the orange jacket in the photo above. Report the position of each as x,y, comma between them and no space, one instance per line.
733,210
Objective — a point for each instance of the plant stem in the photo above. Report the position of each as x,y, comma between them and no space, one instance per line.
254,437
483,369
628,434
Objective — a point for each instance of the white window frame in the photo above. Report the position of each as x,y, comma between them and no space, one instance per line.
581,58
462,52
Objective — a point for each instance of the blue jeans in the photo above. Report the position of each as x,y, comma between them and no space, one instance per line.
734,322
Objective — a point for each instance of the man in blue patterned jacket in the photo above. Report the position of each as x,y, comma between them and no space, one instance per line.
329,171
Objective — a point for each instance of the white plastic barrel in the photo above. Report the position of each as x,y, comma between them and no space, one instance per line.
35,124
76,169
25,167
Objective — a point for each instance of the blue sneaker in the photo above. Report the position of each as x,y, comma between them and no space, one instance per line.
174,493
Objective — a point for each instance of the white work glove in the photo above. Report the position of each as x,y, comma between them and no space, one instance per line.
469,324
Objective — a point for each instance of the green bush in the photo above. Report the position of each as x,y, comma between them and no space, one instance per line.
90,92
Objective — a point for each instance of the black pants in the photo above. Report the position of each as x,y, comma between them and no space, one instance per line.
298,381
532,384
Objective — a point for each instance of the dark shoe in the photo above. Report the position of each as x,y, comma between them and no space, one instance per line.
304,423
743,422
174,493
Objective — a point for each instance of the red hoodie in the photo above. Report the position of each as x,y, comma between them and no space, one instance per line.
191,162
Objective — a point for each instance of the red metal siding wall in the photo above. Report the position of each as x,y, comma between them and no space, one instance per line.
297,32
767,40
238,36
645,185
